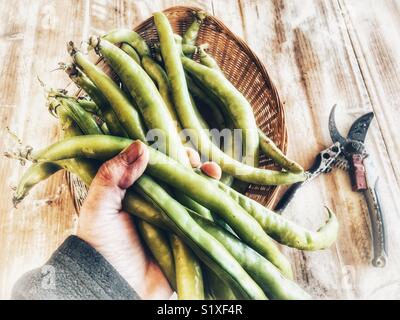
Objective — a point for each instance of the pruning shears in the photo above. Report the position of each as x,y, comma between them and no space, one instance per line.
350,154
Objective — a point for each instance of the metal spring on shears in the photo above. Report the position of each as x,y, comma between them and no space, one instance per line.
341,163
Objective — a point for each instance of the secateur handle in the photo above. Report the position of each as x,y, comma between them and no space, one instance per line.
358,173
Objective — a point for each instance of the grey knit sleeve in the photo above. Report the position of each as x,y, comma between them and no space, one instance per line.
75,271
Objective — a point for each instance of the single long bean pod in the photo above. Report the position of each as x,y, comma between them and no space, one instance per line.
270,149
208,101
216,288
130,37
283,230
191,34
260,269
160,78
235,103
33,175
123,108
158,244
199,240
130,51
207,60
182,178
201,120
108,114
182,254
90,106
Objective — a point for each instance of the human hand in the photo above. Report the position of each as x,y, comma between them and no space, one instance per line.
112,232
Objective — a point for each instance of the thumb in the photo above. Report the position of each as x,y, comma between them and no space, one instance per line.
124,169
114,177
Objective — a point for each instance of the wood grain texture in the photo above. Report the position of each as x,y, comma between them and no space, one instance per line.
318,52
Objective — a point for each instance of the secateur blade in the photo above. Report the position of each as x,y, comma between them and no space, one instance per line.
357,132
333,130
359,129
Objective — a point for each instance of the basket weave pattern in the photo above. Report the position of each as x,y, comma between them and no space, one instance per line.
242,67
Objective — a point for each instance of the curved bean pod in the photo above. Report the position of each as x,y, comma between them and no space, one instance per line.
270,149
235,104
207,60
283,230
90,106
191,34
130,51
33,175
130,37
214,110
182,178
260,269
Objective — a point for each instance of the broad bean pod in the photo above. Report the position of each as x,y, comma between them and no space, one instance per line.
283,230
235,104
130,37
191,34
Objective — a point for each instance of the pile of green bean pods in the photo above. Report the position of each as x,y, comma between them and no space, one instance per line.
210,241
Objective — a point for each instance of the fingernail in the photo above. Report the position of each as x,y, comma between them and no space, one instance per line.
212,169
132,152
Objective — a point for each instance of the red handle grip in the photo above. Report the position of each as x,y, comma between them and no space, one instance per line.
357,172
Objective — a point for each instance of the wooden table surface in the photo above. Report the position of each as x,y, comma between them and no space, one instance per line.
318,52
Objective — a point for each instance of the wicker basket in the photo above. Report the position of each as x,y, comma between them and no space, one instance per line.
242,67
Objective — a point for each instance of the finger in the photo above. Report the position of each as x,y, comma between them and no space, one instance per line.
211,169
194,157
124,169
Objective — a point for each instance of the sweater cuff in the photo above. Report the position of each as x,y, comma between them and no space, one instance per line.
76,271
98,277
